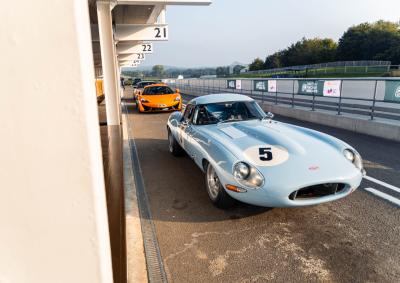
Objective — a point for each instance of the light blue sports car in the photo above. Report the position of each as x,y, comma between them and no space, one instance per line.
249,157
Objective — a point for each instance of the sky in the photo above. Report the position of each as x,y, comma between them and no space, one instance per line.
241,30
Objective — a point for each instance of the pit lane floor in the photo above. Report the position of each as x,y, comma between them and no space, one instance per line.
356,239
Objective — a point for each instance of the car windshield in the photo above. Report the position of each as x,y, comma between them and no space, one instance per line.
228,112
156,90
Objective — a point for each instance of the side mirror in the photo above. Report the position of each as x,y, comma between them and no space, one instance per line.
270,115
177,90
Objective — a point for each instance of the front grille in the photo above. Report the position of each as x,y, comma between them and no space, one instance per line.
147,108
317,191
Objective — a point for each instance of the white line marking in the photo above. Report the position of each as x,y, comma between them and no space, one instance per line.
386,185
383,195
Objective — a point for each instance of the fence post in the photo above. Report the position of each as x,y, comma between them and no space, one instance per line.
373,102
276,95
293,94
313,98
313,102
340,98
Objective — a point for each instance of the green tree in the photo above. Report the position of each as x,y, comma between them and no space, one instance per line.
392,54
237,68
309,51
273,61
257,64
366,41
158,71
303,52
222,71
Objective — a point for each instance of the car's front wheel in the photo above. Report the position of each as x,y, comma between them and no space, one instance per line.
215,190
174,147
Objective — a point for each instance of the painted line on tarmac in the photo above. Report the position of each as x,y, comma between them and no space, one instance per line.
384,196
386,185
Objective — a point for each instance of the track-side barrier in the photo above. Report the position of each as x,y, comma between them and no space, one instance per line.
365,98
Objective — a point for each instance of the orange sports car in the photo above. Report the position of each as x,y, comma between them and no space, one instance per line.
159,97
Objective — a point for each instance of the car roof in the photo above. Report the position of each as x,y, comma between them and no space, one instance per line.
219,97
157,84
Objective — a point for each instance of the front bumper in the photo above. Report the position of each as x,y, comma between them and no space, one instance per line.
280,194
159,107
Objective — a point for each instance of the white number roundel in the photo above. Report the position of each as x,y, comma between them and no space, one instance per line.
266,155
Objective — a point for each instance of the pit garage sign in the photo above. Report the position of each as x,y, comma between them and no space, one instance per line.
332,88
392,91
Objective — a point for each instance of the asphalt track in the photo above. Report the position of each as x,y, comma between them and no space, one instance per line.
356,239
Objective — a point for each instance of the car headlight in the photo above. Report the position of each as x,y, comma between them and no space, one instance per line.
247,175
354,158
144,100
349,155
177,98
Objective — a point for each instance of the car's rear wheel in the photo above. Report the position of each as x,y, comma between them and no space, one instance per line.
215,190
174,147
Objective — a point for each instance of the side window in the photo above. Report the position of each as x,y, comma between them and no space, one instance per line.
196,112
188,113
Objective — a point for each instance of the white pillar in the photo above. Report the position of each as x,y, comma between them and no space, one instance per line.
53,212
118,80
161,17
108,62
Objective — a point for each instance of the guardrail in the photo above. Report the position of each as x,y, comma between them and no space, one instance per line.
372,98
345,66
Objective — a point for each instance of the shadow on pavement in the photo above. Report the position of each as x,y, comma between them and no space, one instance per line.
176,190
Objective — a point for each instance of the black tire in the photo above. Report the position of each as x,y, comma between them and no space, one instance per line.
174,147
217,194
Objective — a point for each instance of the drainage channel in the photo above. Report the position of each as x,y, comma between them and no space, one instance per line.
155,267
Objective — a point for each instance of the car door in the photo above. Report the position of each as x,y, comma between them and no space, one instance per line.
193,147
185,127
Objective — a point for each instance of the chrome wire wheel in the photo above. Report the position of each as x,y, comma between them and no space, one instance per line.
213,183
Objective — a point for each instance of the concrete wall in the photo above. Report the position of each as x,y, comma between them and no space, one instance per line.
53,215
368,127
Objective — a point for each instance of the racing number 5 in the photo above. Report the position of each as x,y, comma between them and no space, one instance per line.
265,153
